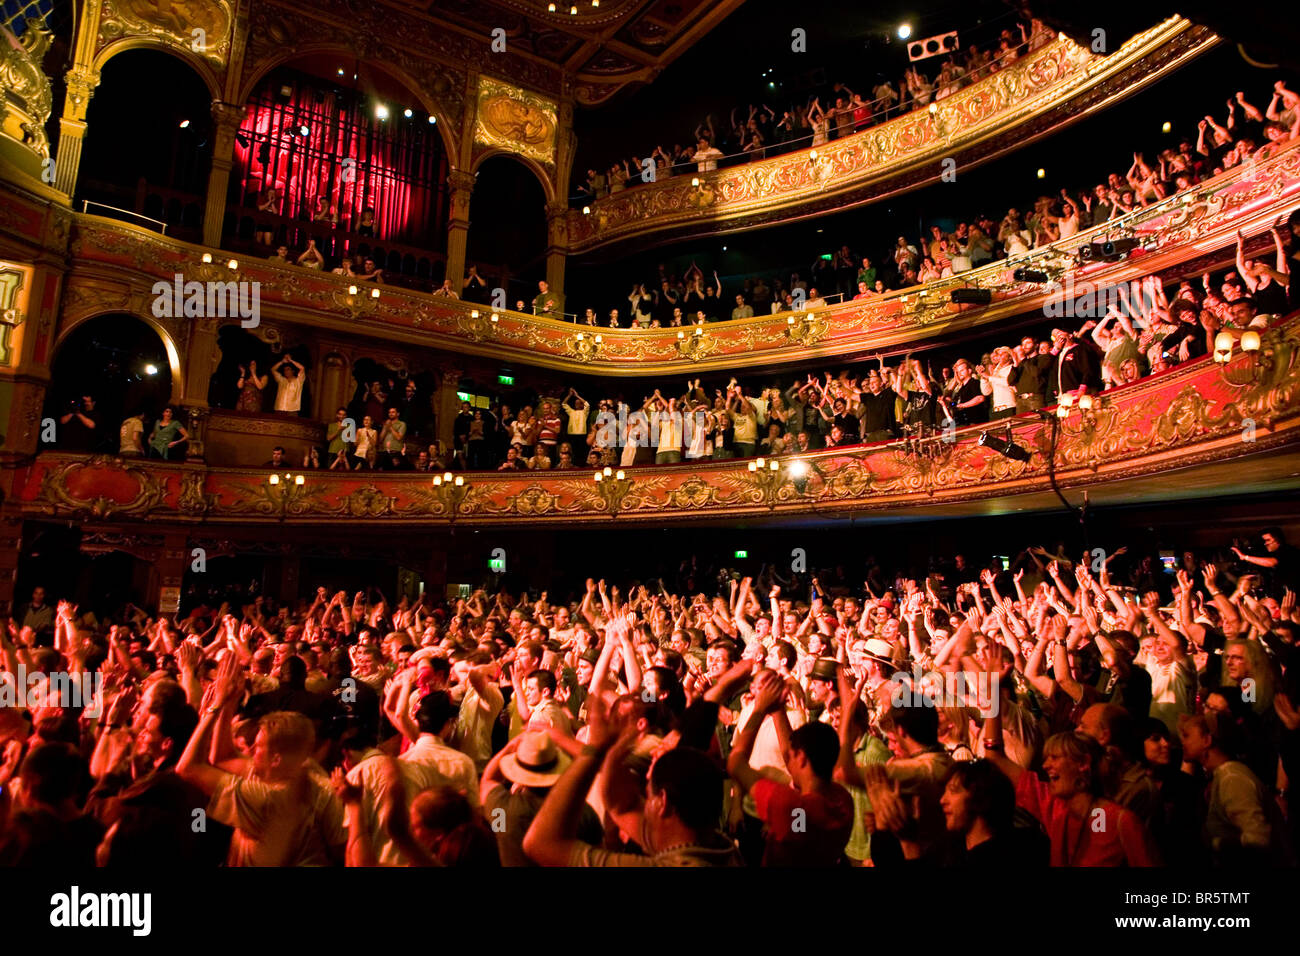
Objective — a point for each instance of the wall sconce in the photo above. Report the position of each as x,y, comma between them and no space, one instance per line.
210,271
476,325
766,475
696,345
807,330
584,347
451,490
1250,344
1086,405
613,487
695,181
355,302
286,493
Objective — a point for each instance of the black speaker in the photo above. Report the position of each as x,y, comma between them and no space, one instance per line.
1117,248
972,296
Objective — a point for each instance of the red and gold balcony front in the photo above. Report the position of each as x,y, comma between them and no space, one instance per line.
1190,431
117,265
1041,92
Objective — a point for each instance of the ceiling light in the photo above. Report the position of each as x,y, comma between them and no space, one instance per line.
433,119
185,124
1167,127
1042,173
151,369
381,111
340,71
406,113
904,31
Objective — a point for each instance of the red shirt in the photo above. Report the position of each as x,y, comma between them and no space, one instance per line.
1108,836
803,829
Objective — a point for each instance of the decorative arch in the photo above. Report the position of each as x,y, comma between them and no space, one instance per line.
68,325
536,168
211,79
429,104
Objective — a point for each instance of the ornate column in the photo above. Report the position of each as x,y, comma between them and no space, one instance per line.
557,244
226,119
446,405
201,357
461,185
81,83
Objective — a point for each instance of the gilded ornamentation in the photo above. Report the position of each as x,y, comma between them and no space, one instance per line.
1185,418
200,26
62,490
194,499
1021,95
25,96
515,120
132,259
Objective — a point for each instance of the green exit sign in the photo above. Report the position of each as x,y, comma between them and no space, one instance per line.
505,380
742,554
497,565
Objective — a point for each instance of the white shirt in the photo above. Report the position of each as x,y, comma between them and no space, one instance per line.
577,418
288,397
475,721
707,159
1004,396
766,756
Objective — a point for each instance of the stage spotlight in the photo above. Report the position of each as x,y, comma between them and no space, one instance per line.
433,119
406,113
1042,173
904,31
304,130
151,369
340,71
1167,127
972,296
185,124
1029,275
381,111
1005,446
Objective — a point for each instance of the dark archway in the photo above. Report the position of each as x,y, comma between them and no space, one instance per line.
239,347
507,226
148,146
122,363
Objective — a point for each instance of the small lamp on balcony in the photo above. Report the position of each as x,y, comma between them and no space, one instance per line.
1223,343
1249,341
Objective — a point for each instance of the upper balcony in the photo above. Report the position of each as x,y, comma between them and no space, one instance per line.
1043,91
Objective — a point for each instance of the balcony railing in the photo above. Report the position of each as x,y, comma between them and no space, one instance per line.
1177,229
1050,87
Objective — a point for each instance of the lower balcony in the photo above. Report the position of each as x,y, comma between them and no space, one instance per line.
1204,427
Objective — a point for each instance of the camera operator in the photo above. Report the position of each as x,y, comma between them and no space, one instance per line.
79,428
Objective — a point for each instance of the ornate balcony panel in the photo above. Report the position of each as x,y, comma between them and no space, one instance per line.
1215,425
1042,91
128,261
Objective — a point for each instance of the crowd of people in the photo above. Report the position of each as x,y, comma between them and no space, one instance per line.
1145,330
835,111
1112,711
853,272
390,425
